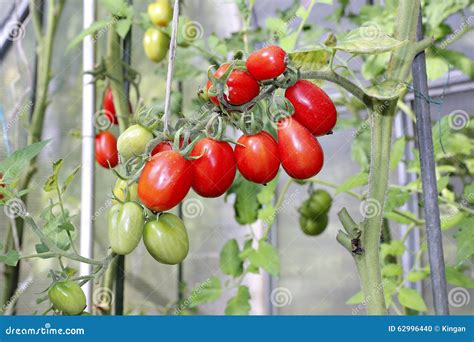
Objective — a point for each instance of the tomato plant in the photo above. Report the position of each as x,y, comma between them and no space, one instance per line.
257,157
166,239
106,152
214,167
67,297
164,181
125,227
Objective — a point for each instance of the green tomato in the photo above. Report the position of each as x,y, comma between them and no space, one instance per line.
160,12
126,223
320,202
314,226
155,44
166,239
68,297
120,188
133,141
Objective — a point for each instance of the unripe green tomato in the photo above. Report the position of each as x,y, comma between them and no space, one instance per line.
156,44
320,202
68,297
126,223
305,210
160,12
314,226
133,141
166,239
120,188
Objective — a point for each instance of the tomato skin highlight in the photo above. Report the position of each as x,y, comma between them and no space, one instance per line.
259,160
165,181
68,297
119,191
214,171
300,153
314,109
160,12
155,44
242,86
267,63
166,239
133,141
106,149
125,227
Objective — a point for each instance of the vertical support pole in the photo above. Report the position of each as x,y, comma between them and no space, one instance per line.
428,176
88,140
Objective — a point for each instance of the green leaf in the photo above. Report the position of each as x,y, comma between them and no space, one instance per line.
459,60
395,248
208,291
267,215
52,181
70,178
437,11
67,226
239,305
458,278
404,219
390,288
115,7
230,262
415,276
246,205
367,39
392,270
356,299
41,248
276,25
355,181
15,165
436,67
266,257
465,240
123,26
267,192
311,58
386,90
398,150
98,25
396,198
11,258
411,299
469,193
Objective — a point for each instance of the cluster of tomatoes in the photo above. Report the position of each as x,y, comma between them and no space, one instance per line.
155,41
314,212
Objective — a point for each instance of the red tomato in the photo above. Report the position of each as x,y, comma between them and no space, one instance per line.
166,146
106,149
109,108
313,107
165,181
300,153
214,171
242,87
258,161
267,63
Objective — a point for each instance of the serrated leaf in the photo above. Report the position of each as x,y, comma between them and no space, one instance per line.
367,39
239,305
392,270
11,258
355,181
398,150
246,205
70,178
410,298
52,181
230,262
267,192
116,7
267,215
396,198
394,247
205,292
386,90
415,276
13,166
266,257
458,278
311,58
356,299
95,26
